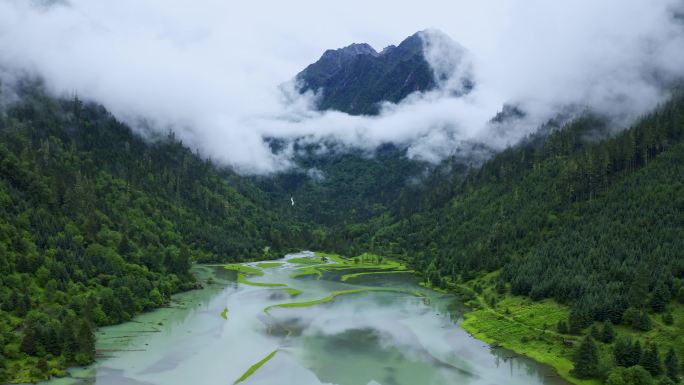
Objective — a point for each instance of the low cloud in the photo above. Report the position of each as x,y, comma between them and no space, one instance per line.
212,71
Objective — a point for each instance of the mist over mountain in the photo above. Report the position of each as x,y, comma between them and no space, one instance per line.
212,74
524,158
356,79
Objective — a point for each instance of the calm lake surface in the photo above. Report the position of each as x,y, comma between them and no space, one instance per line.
364,338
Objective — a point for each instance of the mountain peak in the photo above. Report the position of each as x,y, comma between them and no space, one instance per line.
348,52
359,49
356,79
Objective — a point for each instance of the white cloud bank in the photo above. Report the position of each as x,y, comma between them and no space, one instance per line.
211,69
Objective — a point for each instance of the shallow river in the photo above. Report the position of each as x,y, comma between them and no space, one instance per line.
370,337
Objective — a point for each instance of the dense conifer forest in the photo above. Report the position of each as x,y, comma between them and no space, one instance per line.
595,224
98,224
587,213
588,216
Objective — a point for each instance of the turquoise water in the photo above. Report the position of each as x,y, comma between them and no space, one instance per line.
358,339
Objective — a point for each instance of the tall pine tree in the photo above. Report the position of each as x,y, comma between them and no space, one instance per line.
650,360
586,359
608,332
672,365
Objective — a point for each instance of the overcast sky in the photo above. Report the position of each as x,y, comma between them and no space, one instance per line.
211,69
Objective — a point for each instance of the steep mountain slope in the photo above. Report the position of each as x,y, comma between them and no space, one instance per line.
347,186
355,79
596,225
97,225
568,219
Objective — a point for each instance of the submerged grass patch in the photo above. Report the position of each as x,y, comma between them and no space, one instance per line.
267,265
333,257
244,280
244,269
347,277
336,294
255,367
292,291
362,262
306,261
307,271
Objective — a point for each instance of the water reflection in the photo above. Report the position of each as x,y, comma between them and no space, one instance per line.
359,339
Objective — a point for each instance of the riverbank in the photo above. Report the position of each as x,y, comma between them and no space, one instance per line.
528,327
338,331
515,323
109,341
522,326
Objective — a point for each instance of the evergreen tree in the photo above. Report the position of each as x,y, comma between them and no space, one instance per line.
577,320
650,360
642,321
562,327
586,359
636,353
672,365
86,339
660,298
608,332
595,332
636,375
666,381
622,351
29,344
638,291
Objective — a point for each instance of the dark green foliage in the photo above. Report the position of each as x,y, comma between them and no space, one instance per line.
627,352
608,332
586,359
97,225
650,360
672,365
500,286
353,188
562,327
637,352
563,217
638,319
668,319
622,352
577,321
635,375
660,297
644,322
594,332
665,381
638,291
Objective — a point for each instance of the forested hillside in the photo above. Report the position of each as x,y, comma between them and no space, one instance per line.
97,224
336,188
597,225
560,209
